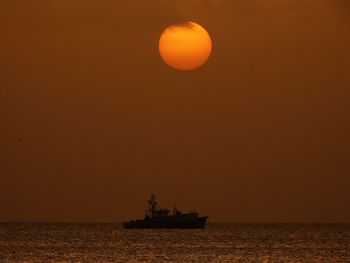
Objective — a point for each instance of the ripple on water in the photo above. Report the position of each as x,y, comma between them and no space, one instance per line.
216,243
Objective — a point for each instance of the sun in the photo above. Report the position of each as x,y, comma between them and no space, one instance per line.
185,46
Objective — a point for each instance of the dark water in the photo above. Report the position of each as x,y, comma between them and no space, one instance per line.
216,243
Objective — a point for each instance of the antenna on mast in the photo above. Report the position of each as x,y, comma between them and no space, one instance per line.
153,187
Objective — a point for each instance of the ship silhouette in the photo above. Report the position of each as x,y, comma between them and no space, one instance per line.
159,218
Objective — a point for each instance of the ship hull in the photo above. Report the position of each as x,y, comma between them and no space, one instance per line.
197,223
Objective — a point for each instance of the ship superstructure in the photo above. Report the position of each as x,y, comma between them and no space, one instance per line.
156,217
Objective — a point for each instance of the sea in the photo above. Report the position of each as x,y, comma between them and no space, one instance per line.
82,242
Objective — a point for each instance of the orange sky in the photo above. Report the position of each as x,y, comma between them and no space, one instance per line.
258,134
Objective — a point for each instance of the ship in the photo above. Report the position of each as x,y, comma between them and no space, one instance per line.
156,217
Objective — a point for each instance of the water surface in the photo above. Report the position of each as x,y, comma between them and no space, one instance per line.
28,242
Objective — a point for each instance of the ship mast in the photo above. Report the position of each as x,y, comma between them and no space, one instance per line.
152,205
